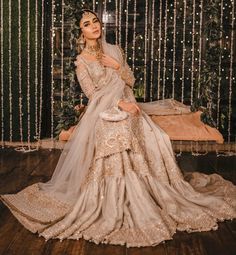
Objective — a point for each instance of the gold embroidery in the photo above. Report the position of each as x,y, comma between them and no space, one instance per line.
113,137
30,203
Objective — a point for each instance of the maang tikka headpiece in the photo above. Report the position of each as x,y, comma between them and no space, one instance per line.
87,14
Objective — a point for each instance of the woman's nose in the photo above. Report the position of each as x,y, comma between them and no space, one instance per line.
94,25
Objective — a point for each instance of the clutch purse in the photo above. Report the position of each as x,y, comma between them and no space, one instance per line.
113,114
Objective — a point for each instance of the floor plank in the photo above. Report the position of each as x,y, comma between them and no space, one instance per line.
77,247
160,250
103,249
185,244
212,244
9,229
226,239
231,225
31,246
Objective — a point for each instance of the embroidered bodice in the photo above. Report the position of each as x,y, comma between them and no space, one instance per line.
92,74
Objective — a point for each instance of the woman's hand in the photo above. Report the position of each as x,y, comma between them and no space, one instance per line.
109,62
129,107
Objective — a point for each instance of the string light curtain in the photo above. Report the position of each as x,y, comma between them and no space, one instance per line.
164,43
231,77
2,80
21,60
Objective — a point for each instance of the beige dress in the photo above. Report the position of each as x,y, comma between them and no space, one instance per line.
133,194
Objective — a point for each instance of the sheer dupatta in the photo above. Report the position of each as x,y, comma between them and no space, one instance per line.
77,155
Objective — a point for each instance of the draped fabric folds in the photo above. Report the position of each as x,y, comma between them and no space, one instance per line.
117,180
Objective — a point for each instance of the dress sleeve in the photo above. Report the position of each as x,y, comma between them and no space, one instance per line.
125,71
85,81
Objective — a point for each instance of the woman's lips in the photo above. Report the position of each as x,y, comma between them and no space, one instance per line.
95,32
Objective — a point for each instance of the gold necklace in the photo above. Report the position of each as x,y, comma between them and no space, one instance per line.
95,51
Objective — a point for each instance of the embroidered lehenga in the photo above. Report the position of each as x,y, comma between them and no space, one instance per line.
117,180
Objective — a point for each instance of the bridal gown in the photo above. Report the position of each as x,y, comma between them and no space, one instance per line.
117,180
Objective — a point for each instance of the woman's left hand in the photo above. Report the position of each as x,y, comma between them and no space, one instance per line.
109,62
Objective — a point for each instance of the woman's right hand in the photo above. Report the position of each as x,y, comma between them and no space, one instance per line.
129,107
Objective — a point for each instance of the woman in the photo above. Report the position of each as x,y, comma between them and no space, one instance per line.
117,180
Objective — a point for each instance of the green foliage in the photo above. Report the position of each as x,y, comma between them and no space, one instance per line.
68,117
210,71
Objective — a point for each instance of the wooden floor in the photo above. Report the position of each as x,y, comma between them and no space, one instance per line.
18,170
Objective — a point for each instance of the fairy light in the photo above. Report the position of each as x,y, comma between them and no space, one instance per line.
52,69
219,66
145,51
231,70
174,52
152,51
180,149
165,51
93,4
2,90
41,72
116,21
126,28
28,73
10,67
36,68
105,15
20,71
159,51
183,59
134,35
193,51
62,52
118,4
120,10
200,49
70,58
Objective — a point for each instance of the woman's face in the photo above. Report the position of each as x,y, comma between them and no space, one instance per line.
90,26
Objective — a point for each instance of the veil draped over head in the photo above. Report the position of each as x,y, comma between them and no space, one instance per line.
78,152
